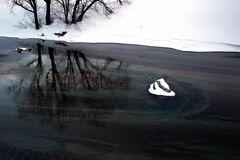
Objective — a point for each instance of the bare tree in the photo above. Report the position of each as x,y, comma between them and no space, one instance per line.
74,11
65,6
70,11
30,6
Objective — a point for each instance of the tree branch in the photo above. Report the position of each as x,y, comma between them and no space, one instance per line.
20,4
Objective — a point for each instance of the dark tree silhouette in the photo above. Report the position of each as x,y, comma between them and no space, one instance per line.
74,11
30,6
48,11
65,6
69,11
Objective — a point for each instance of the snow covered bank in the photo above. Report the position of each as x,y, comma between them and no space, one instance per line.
195,25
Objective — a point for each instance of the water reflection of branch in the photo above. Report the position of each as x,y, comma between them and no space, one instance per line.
39,69
55,80
82,71
52,95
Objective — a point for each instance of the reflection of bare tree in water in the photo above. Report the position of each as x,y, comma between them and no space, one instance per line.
61,87
81,73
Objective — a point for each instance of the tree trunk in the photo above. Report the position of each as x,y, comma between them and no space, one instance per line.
37,25
66,13
35,13
80,18
84,10
48,12
75,12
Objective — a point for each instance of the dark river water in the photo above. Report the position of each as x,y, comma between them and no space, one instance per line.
77,101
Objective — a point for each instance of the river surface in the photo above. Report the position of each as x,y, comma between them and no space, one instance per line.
76,101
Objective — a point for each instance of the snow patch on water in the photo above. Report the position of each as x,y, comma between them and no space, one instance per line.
161,88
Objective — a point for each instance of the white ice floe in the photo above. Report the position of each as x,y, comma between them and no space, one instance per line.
20,50
161,88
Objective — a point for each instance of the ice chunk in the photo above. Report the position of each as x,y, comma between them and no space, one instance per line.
163,83
20,50
161,88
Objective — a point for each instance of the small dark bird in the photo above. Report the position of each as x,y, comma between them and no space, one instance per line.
61,34
42,35
20,50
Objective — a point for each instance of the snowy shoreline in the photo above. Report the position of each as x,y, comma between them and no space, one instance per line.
227,47
195,25
74,43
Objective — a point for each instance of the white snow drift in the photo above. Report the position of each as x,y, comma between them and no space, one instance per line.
197,25
161,88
